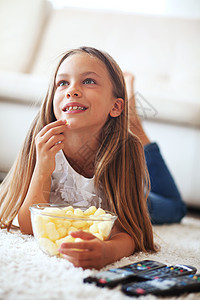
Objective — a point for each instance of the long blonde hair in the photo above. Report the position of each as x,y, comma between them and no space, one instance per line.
120,166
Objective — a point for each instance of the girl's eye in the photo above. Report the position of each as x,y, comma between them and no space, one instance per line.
89,81
62,83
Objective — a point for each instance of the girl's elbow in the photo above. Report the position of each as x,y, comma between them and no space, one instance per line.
24,224
131,246
25,230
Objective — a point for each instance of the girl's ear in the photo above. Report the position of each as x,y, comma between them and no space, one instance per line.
117,108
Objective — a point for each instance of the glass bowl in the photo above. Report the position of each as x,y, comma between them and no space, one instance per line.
52,224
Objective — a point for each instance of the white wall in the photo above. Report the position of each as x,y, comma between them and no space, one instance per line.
175,8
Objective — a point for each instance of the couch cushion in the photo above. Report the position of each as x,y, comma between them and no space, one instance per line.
166,110
21,24
15,120
18,88
163,53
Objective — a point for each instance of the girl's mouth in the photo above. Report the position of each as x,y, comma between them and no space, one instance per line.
73,108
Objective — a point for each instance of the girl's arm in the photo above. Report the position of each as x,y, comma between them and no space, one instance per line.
48,142
38,192
94,253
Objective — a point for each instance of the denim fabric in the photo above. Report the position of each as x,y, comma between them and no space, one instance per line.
164,201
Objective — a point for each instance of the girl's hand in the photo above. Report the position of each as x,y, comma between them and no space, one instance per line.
91,253
48,142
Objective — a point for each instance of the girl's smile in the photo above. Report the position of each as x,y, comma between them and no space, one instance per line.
74,107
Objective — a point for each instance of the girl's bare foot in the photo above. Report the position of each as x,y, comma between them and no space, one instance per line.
135,123
129,79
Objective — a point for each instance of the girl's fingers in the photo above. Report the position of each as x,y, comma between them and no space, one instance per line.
50,134
82,235
46,145
85,264
91,244
76,253
57,148
86,254
54,140
50,126
66,247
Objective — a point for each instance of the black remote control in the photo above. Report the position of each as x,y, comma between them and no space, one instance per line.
167,272
164,287
128,273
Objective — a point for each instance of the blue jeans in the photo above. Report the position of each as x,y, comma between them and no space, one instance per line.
164,201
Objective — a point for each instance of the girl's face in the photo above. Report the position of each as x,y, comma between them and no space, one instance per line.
84,94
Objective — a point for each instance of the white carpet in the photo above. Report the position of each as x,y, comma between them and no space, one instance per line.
27,273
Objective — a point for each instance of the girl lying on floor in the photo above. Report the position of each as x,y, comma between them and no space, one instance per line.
85,112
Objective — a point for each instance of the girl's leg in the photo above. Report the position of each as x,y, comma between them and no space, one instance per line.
164,201
135,123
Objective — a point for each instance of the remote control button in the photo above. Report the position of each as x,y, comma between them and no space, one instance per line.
140,291
102,280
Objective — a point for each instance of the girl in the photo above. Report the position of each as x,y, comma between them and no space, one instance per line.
85,107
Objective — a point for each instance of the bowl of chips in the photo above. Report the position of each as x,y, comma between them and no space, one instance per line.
53,223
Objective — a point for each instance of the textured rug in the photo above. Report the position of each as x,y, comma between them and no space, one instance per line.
27,273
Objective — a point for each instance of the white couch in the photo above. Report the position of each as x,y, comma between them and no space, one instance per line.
163,54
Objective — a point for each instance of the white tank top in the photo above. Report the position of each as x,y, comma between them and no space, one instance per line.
70,188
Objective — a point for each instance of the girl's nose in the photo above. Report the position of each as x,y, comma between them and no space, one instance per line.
72,94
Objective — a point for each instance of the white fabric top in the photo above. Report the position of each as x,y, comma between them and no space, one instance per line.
70,188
